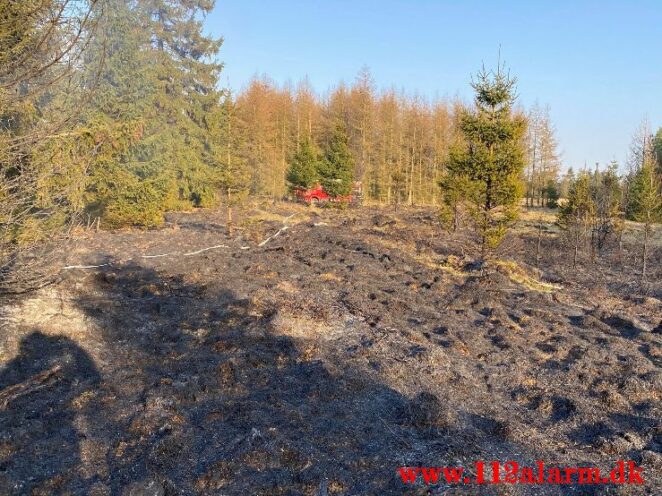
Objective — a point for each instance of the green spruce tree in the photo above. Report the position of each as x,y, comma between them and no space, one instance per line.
188,98
398,189
231,173
304,166
607,197
646,205
577,216
337,168
552,194
455,189
657,150
129,185
159,85
491,157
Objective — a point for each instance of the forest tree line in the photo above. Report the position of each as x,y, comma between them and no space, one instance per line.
112,112
599,201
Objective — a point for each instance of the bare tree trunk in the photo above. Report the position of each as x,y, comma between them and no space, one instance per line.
531,189
574,258
298,131
410,196
645,253
456,217
593,243
420,174
229,217
538,243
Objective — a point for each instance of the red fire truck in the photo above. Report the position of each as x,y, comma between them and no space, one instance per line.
317,195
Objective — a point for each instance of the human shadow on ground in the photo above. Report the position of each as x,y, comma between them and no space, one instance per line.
39,441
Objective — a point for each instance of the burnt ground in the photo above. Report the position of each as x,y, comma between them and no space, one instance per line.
317,364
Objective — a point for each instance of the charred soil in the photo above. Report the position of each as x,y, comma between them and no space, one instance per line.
198,361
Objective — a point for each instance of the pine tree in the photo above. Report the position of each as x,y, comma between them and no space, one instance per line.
657,150
607,198
231,175
534,118
398,188
361,125
577,215
387,131
646,204
128,186
566,180
640,146
303,171
188,96
42,44
159,85
455,189
491,157
552,194
256,110
549,164
337,168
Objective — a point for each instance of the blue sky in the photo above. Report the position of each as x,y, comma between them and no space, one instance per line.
598,64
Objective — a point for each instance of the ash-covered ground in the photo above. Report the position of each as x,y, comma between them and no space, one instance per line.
351,344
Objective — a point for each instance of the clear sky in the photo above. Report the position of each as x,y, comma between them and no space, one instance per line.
597,64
